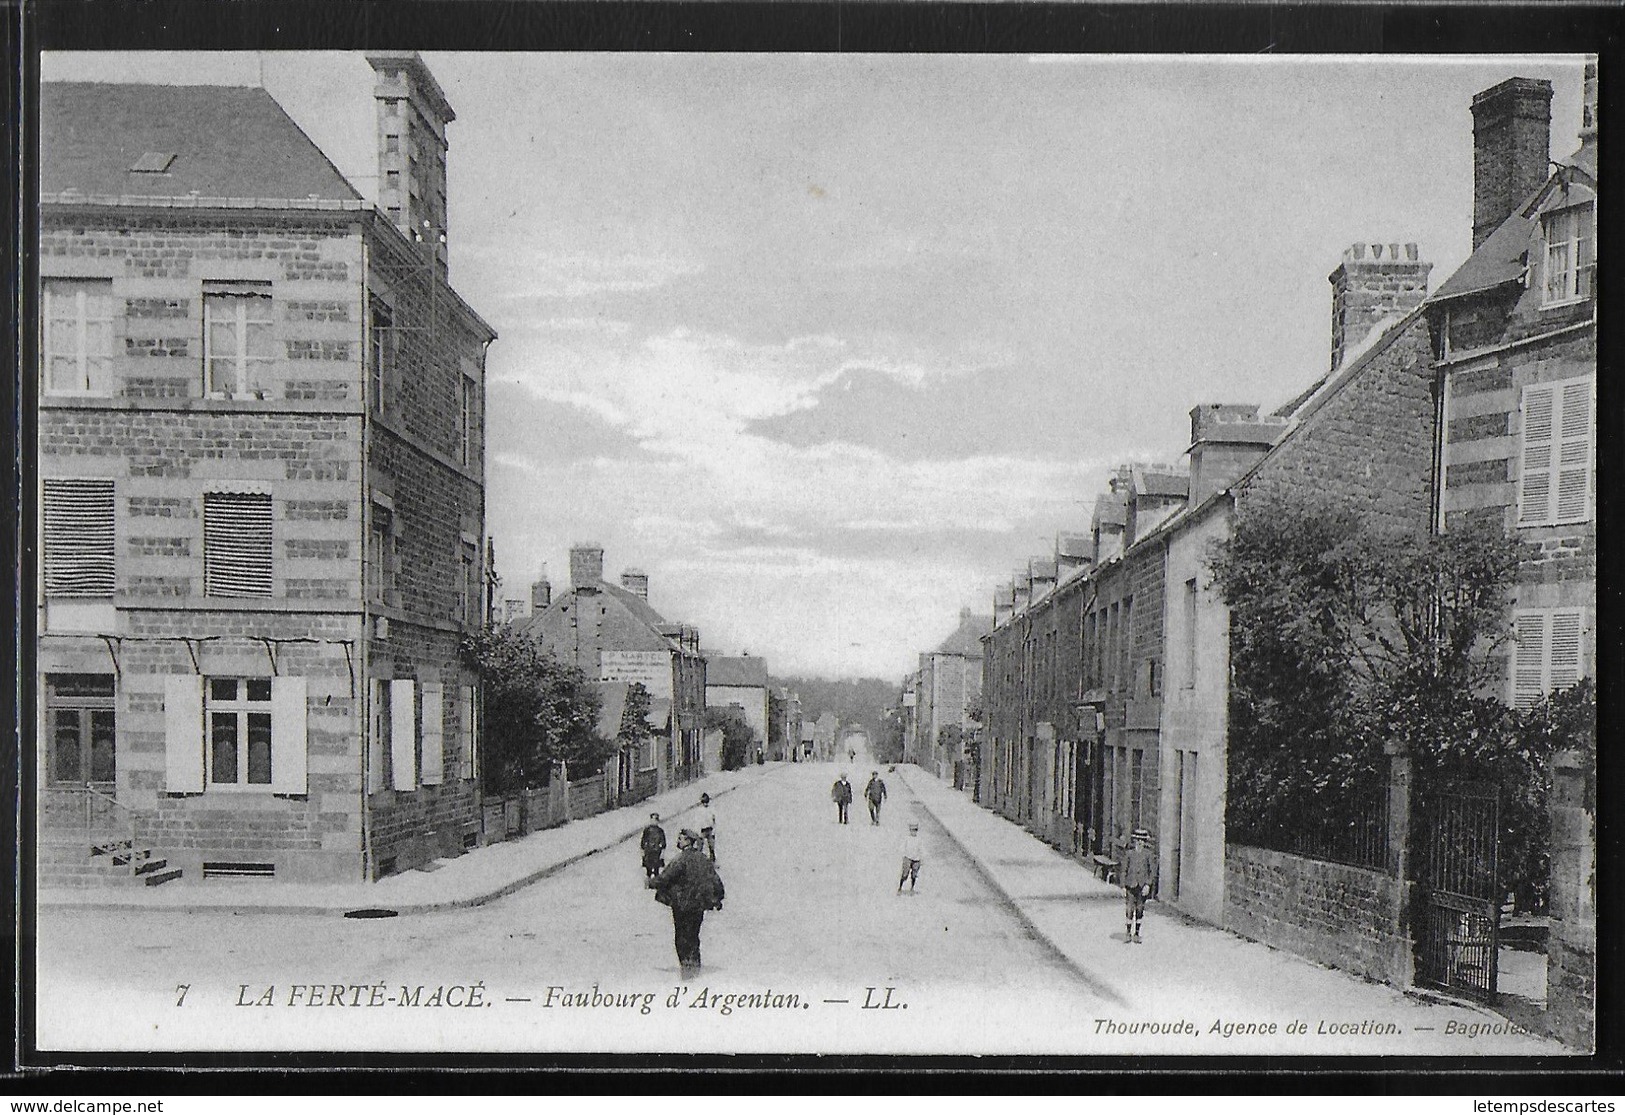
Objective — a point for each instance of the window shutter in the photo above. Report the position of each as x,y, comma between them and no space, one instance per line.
1564,657
78,520
1574,452
236,544
1529,659
403,734
466,724
434,730
1535,491
183,734
375,736
288,736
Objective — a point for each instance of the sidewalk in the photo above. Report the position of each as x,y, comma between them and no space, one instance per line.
1185,969
471,879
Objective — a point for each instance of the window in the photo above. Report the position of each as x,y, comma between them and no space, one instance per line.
470,561
79,721
1555,478
1136,786
1547,653
381,358
77,347
1125,636
238,714
468,422
78,537
466,724
237,339
236,544
1189,680
381,557
1570,251
1113,633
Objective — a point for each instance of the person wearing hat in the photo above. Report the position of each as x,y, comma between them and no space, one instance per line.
690,885
1139,879
874,793
654,847
708,826
841,795
911,858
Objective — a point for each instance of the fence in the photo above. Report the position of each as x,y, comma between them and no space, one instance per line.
1351,829
554,805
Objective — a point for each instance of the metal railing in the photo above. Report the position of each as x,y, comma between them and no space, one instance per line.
1351,830
108,822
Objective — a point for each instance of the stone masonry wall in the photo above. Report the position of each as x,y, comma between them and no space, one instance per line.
1571,946
1340,916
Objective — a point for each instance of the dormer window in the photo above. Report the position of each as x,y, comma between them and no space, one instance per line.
153,162
1570,254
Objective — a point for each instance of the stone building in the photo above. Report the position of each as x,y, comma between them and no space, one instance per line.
947,687
613,634
742,682
262,491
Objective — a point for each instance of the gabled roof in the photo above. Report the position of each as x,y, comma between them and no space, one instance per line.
1111,509
1161,483
226,142
740,672
966,641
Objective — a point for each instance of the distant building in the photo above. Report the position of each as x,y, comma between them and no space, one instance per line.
741,682
948,688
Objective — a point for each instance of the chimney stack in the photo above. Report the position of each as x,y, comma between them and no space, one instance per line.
1226,441
1374,282
586,567
636,581
1004,603
1512,131
541,594
412,118
1588,102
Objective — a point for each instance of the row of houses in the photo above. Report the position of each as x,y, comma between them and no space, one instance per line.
940,703
1106,673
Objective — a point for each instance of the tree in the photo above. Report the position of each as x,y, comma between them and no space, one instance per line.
776,712
635,716
537,710
739,739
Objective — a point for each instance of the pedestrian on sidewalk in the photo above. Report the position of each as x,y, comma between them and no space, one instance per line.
874,793
1139,880
841,795
690,886
708,826
654,847
911,857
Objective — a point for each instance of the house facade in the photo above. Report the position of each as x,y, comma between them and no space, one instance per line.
946,688
262,493
740,681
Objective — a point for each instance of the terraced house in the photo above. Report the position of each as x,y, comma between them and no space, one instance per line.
262,499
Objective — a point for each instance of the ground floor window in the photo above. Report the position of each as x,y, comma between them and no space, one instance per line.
238,713
81,720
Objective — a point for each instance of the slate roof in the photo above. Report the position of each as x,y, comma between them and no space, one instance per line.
227,142
1158,483
966,641
742,672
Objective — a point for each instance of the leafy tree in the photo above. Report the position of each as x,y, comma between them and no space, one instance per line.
739,739
635,716
537,710
776,706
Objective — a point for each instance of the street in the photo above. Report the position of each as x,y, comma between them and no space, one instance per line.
814,951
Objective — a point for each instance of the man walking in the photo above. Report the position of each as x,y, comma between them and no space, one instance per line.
841,795
874,793
1139,880
690,886
654,847
708,826
911,857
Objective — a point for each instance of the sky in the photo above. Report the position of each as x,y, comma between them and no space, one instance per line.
829,345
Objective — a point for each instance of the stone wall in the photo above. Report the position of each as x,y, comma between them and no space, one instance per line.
1571,946
1343,917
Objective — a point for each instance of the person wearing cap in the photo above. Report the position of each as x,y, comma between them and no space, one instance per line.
1139,879
690,885
874,793
708,826
841,795
654,847
911,858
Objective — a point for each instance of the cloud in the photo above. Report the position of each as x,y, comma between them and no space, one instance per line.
545,275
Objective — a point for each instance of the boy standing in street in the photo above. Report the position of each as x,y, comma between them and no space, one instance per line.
911,857
654,847
708,826
1139,880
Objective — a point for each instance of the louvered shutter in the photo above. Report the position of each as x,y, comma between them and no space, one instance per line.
375,736
1529,659
1563,657
466,725
288,736
403,759
1574,452
1535,488
78,521
434,730
183,734
236,544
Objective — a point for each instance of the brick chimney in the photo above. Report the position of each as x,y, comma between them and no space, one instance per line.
541,594
1374,281
412,118
1588,102
1512,128
586,567
636,581
1226,441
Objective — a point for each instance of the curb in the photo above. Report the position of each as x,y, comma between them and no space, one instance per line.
1094,982
42,902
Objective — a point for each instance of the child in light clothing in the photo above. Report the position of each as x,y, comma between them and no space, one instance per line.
911,857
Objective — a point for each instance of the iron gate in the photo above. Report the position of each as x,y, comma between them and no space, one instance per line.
1458,930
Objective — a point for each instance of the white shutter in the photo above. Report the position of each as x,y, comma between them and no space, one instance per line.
1529,659
1535,484
375,736
1564,656
183,734
236,544
403,755
288,736
466,728
434,730
78,522
1574,452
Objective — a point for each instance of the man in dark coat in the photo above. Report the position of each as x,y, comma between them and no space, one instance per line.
690,885
654,847
841,795
1139,880
874,793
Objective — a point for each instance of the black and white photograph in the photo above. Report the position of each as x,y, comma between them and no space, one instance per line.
562,553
